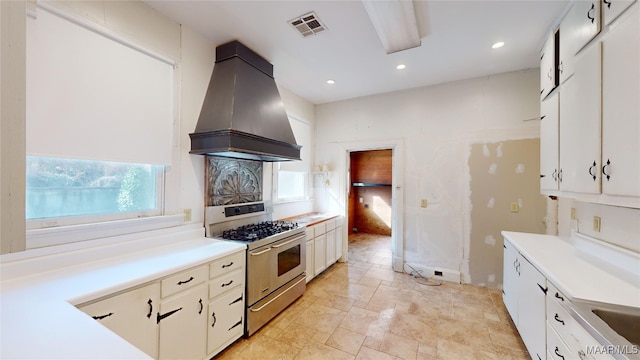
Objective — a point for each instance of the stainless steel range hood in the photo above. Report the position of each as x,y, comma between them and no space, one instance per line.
242,114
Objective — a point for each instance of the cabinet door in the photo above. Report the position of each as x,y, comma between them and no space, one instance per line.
226,319
547,67
132,316
611,9
532,290
331,247
549,150
510,280
183,321
339,243
310,257
319,256
620,109
581,24
580,125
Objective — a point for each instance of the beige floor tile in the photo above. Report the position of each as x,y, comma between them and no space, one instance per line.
346,340
371,354
321,318
321,352
399,346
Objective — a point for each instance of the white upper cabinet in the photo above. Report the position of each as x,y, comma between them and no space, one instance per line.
581,24
549,150
620,106
548,67
611,9
580,125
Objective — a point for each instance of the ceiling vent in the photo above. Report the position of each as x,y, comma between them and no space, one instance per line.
308,24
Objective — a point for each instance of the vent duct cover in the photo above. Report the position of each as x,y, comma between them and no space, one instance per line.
308,24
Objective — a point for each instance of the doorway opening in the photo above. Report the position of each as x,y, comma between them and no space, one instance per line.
370,206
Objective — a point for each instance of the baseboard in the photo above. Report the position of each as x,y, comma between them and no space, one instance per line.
436,273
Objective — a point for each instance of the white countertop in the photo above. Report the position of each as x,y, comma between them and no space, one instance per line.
38,318
577,274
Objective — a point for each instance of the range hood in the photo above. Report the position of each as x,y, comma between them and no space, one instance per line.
242,114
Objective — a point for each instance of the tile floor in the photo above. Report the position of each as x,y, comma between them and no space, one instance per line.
364,310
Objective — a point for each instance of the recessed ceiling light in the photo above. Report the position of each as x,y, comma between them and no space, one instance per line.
401,66
499,44
331,81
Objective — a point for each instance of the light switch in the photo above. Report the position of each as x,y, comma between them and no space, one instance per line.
187,215
515,207
424,203
596,223
573,213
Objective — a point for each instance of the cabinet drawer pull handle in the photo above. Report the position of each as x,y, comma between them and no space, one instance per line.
608,4
100,317
236,324
593,8
227,284
582,353
150,309
559,297
186,281
558,319
561,67
541,91
236,300
604,169
555,175
201,307
591,169
560,175
557,351
214,319
227,265
160,317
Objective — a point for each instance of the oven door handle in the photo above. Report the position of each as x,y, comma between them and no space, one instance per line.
287,242
259,252
282,293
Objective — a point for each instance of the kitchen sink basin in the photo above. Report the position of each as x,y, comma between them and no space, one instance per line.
625,324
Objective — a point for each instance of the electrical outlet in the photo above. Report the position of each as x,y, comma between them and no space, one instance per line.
424,203
515,207
596,223
573,213
187,215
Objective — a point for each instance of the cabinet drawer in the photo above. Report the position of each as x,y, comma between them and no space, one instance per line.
310,232
184,280
320,229
560,320
226,264
555,346
331,225
226,282
556,295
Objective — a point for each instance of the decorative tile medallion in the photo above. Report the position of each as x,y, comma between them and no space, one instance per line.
232,181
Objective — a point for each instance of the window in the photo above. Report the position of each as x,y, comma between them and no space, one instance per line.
292,185
59,187
292,177
100,123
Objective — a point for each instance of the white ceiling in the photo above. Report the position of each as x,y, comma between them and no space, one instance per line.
456,41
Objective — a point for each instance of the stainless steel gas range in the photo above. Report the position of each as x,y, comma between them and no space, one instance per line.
276,256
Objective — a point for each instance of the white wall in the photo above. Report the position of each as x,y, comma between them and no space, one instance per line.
438,124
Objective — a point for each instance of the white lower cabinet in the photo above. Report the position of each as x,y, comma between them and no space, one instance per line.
132,315
226,320
319,253
324,246
193,314
524,292
182,319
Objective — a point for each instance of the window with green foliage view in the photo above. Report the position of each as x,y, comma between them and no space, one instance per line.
69,187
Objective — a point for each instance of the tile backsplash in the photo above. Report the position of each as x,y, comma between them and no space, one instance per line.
232,181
